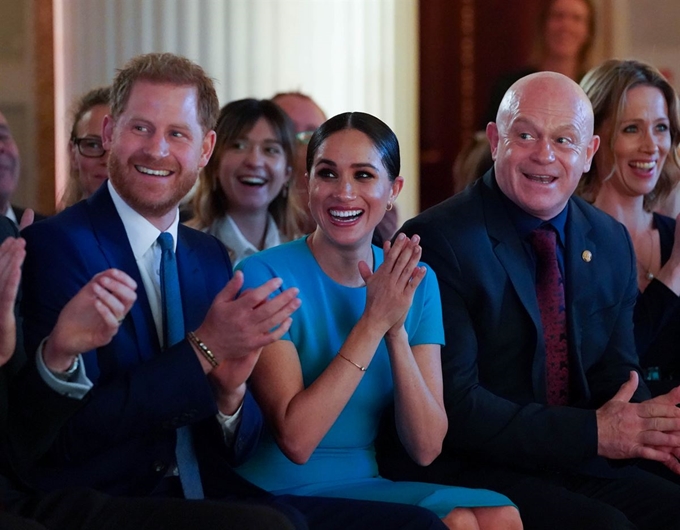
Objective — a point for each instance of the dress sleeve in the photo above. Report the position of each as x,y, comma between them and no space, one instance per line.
257,271
424,323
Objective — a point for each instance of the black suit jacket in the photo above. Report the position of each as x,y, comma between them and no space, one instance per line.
494,358
19,212
21,441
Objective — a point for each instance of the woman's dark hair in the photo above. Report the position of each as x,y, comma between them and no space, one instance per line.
384,140
607,86
235,120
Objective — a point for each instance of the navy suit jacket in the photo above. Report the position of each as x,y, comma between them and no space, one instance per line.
122,440
494,358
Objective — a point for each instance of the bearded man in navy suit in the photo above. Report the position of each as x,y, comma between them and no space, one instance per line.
143,392
561,457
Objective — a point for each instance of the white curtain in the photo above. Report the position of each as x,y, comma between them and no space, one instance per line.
346,54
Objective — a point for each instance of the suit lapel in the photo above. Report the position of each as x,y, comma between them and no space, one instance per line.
511,254
195,300
508,247
580,277
114,245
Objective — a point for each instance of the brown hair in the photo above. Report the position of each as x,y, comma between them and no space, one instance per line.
235,120
540,50
166,68
607,85
95,97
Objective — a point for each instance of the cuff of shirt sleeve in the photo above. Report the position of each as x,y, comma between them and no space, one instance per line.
229,424
75,385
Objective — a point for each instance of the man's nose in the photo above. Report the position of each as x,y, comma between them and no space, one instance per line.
544,151
157,146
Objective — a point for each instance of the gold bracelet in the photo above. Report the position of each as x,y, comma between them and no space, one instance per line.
205,351
362,368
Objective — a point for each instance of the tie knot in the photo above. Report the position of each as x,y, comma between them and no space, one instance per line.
165,241
544,241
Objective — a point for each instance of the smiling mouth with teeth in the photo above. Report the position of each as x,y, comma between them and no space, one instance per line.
252,181
153,172
543,179
643,165
345,215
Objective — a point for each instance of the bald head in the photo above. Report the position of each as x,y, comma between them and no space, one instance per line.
542,142
552,92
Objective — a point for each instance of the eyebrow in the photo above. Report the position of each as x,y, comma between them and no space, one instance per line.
566,128
357,165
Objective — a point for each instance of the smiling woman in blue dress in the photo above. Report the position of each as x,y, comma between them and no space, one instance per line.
368,334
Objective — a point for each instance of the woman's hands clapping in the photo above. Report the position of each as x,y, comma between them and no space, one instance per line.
389,291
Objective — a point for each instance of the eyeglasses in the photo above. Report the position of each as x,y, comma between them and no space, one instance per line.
90,146
304,137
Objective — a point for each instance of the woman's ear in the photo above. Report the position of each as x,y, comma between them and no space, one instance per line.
397,185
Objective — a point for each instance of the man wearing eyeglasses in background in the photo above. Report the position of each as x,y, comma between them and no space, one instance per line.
10,164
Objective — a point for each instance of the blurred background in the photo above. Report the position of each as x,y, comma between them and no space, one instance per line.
427,68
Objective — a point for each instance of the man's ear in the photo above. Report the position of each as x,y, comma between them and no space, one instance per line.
592,148
207,147
107,132
493,137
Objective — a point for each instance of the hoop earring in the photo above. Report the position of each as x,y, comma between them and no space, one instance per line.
389,207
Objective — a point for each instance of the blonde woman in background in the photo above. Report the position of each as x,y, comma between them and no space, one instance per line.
88,157
636,166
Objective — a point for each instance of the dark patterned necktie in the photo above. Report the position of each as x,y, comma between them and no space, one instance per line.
173,332
550,294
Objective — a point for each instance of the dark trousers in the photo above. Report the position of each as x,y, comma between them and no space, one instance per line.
325,513
339,514
91,510
636,500
78,509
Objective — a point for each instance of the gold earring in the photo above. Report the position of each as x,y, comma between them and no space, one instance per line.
389,207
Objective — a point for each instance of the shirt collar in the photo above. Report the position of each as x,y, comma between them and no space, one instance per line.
11,214
140,232
525,223
226,230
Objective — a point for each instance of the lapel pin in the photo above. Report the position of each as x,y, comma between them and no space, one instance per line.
586,256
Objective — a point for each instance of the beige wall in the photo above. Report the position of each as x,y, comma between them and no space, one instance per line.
387,84
17,89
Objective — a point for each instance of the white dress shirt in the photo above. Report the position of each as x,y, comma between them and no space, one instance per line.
142,236
226,230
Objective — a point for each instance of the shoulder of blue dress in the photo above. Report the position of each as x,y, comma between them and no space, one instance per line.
378,256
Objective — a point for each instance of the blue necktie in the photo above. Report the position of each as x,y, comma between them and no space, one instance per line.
173,332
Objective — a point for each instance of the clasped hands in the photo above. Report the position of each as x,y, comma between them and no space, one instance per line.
650,429
390,289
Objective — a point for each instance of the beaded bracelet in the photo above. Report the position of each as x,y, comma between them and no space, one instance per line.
205,351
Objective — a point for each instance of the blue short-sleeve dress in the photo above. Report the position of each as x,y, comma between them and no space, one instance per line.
344,463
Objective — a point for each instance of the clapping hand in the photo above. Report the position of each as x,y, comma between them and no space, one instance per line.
12,254
390,289
90,319
650,429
